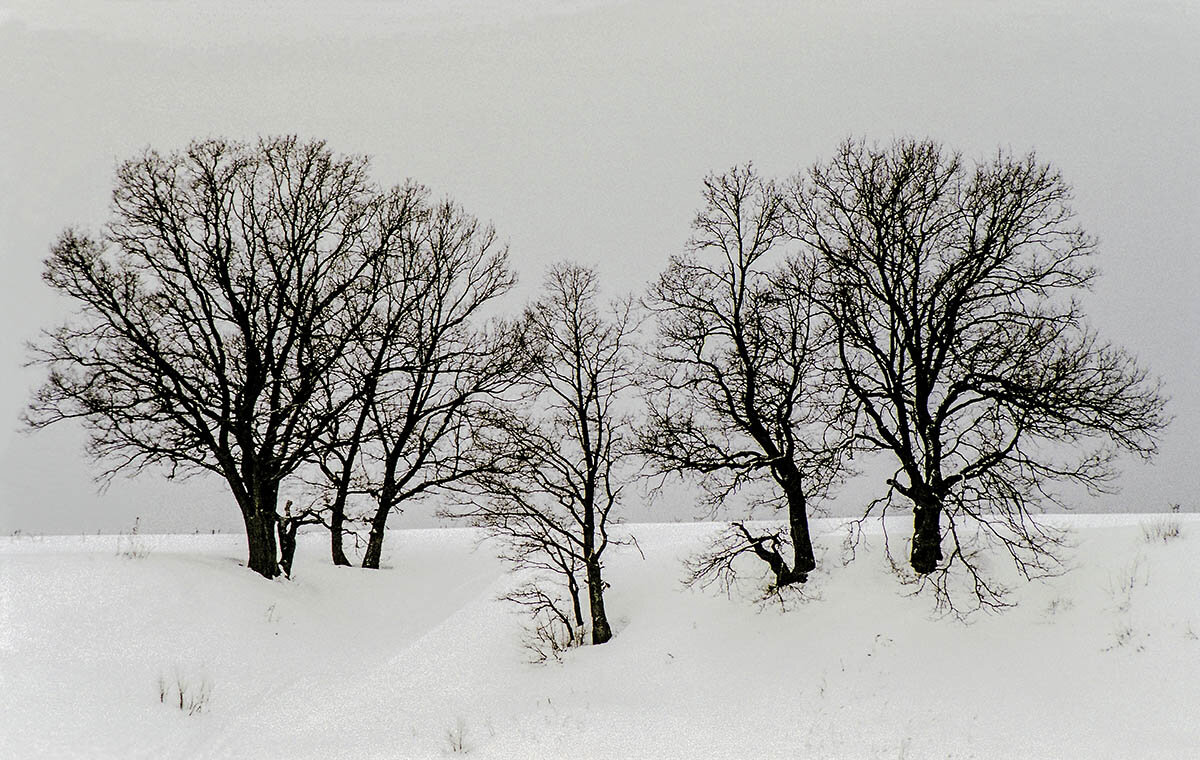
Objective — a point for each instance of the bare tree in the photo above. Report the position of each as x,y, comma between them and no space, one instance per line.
230,280
951,291
737,389
564,455
424,375
354,384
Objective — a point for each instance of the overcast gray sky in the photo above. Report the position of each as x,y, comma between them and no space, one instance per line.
582,130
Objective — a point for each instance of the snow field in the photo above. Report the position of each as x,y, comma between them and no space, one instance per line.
421,660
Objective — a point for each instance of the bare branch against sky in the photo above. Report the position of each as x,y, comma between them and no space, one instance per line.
583,130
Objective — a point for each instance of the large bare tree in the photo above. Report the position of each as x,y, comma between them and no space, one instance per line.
951,288
229,282
565,454
737,389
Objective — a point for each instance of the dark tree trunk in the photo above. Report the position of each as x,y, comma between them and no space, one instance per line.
337,511
337,531
375,540
601,632
927,532
805,560
576,607
287,526
260,538
287,545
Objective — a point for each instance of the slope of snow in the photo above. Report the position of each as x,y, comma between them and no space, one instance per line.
420,658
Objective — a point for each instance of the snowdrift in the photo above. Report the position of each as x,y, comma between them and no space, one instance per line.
99,635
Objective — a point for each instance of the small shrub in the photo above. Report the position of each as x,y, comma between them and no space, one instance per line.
1162,530
456,738
131,545
1124,635
191,698
548,639
1122,584
552,628
1057,605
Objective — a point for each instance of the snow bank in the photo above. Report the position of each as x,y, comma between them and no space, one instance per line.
420,660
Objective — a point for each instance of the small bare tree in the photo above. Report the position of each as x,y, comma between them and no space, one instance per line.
424,375
339,479
230,281
564,455
737,389
950,289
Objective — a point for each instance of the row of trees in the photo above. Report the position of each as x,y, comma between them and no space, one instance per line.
265,312
894,300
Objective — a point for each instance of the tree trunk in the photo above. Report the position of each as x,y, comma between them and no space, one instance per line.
287,546
927,532
576,607
260,538
375,540
804,560
601,632
337,530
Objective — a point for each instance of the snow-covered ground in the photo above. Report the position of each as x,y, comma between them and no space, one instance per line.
421,660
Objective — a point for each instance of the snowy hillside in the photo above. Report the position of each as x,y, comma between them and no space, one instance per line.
420,660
